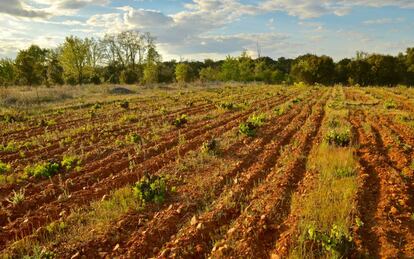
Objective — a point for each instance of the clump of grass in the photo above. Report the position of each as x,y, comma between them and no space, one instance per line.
9,147
151,189
210,147
339,138
390,104
296,100
96,106
129,118
16,197
4,168
134,138
334,123
45,169
71,162
180,121
282,109
227,106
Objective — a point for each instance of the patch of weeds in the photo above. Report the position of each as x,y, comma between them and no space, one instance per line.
227,106
56,227
390,104
336,242
412,216
71,162
134,138
40,253
4,168
10,147
163,110
130,118
180,121
334,123
124,105
96,106
210,147
339,138
258,120
119,143
189,104
45,169
16,197
280,110
296,100
46,123
359,222
66,141
412,165
151,189
344,172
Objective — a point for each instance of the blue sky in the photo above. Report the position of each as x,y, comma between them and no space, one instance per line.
198,29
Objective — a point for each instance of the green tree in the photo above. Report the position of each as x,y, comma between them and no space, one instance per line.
74,57
246,67
152,60
54,69
230,69
31,65
312,69
359,72
183,73
7,72
209,74
385,70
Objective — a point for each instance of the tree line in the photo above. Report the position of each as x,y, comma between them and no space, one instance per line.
131,57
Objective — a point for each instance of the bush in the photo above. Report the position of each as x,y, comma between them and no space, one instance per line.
46,169
247,129
336,242
341,139
71,162
210,147
129,76
151,189
4,168
180,121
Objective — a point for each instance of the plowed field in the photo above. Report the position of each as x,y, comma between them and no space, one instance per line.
245,172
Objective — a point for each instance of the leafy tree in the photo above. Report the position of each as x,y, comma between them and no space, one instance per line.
151,69
74,57
7,72
54,69
342,71
209,74
384,69
230,69
183,73
246,67
312,69
31,65
359,72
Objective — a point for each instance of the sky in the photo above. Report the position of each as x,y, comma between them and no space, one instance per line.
199,29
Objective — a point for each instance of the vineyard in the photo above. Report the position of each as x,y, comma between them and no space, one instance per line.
249,171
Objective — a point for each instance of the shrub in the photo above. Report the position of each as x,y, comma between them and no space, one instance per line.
390,104
180,121
341,139
336,242
71,162
46,169
210,147
151,189
4,168
258,120
247,129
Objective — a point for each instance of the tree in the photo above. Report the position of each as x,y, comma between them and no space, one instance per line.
246,73
230,69
183,73
7,72
359,72
342,71
54,69
312,69
152,60
384,70
209,74
74,57
31,65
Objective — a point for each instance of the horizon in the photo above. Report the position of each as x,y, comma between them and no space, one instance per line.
200,29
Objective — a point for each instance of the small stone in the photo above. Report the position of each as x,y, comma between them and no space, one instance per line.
263,217
62,213
75,255
170,207
116,247
393,210
193,221
200,225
